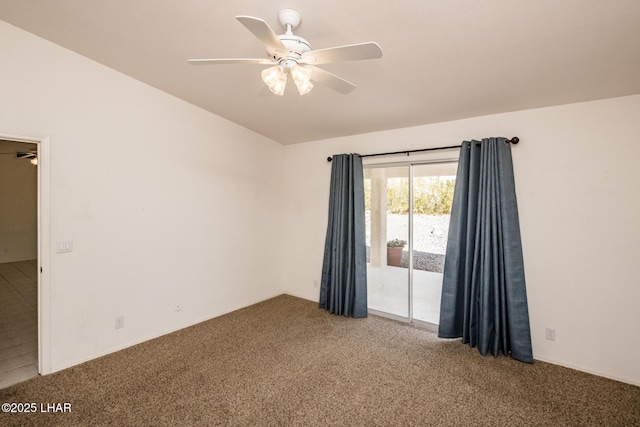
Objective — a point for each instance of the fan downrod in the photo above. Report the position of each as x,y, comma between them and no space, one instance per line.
290,19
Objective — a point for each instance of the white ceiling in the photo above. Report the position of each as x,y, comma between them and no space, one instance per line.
443,59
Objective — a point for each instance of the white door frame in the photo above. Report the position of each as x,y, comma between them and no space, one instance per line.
44,247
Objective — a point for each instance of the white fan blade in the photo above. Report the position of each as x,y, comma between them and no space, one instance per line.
352,52
263,32
321,76
261,61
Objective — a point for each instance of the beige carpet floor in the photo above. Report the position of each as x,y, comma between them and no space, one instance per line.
284,362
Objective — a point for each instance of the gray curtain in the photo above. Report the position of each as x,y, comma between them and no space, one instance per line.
484,298
343,289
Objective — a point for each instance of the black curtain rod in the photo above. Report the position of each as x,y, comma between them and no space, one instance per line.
513,140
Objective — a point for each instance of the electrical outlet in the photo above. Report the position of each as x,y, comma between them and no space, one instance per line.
119,322
551,334
315,283
177,307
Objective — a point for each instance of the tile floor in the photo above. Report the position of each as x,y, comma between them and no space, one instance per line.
18,321
388,290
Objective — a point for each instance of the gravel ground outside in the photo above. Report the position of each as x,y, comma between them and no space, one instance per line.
429,238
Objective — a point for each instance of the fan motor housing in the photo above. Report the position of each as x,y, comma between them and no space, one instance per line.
295,43
290,19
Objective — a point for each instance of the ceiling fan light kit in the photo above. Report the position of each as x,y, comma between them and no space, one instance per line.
290,54
31,155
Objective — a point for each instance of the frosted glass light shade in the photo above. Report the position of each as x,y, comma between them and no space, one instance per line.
302,78
279,86
275,79
271,75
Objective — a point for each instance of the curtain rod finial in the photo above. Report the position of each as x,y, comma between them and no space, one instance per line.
329,159
514,140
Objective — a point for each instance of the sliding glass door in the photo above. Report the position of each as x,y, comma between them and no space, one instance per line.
407,212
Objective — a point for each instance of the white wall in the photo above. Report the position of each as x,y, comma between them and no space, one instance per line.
577,180
165,203
18,204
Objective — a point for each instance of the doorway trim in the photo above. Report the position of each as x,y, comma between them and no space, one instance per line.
44,246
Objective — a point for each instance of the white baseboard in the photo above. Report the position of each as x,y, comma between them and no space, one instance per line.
587,370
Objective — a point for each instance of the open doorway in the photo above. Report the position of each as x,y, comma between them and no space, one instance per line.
19,255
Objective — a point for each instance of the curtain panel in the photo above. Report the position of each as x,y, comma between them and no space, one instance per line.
343,289
484,297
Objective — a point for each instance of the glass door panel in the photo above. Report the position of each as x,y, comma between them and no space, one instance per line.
387,228
432,196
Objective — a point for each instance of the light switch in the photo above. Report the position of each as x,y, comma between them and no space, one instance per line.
64,246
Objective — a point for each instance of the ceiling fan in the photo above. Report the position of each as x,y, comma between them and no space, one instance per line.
31,155
292,55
